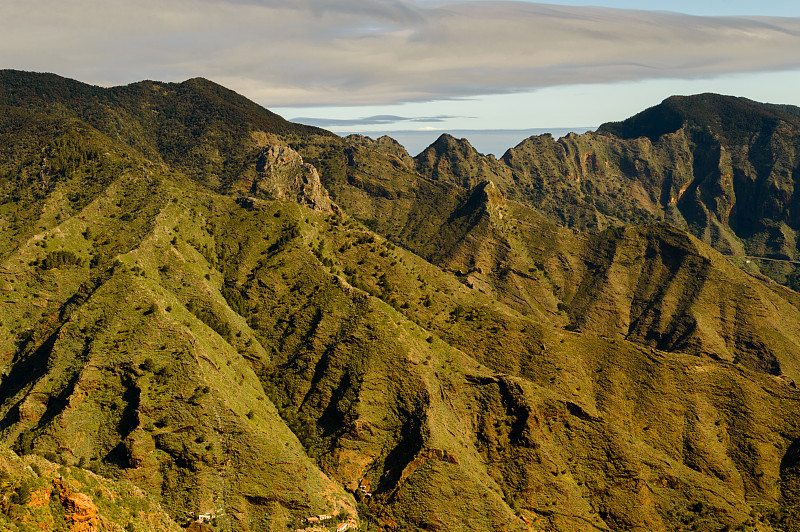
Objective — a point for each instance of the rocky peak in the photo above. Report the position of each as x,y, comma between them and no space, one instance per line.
493,198
282,174
455,161
280,156
385,145
493,195
447,142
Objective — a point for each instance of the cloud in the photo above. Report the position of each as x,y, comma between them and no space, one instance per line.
375,120
354,52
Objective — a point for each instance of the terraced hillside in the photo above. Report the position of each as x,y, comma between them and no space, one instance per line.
321,327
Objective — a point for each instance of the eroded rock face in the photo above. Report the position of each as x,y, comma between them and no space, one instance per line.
79,510
282,174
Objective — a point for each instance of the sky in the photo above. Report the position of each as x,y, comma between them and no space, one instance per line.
493,71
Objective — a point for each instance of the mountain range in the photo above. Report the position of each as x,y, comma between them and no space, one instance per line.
215,318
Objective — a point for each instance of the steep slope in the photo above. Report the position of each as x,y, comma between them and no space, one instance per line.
108,366
654,286
40,495
197,127
593,182
720,167
456,161
266,358
375,398
50,168
377,187
723,168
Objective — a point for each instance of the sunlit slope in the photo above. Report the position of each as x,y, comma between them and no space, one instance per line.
343,334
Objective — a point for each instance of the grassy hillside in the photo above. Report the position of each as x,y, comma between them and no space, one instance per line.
405,347
40,495
198,127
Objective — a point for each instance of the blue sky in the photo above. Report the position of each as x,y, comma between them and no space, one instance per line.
423,66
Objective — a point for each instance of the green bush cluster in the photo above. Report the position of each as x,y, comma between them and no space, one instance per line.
60,259
289,233
234,298
209,318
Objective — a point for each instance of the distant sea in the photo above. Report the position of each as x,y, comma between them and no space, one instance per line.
486,141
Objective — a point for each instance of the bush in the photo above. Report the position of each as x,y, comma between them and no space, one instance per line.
59,259
234,299
22,495
210,319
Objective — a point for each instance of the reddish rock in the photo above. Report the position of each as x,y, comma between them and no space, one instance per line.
79,510
39,498
31,409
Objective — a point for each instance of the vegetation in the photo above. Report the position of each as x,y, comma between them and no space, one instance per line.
58,259
439,349
40,495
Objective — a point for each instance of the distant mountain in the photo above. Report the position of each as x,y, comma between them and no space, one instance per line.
734,119
264,326
722,168
736,189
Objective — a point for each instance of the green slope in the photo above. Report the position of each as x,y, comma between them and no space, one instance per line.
429,352
40,495
198,127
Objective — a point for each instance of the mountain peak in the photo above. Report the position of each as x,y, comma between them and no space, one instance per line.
446,142
729,116
456,161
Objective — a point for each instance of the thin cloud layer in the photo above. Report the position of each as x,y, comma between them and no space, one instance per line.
375,120
352,52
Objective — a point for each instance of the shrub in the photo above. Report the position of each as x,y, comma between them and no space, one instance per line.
234,299
22,495
59,259
209,318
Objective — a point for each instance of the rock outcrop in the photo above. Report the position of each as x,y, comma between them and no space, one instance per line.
79,510
36,494
282,174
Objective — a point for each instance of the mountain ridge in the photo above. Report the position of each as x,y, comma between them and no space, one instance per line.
437,329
